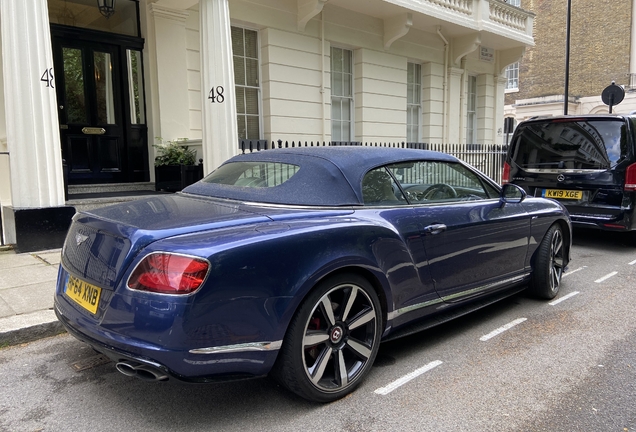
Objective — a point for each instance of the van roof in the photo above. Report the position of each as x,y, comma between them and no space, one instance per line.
581,116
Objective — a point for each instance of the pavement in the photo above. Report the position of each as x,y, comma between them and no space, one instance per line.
27,286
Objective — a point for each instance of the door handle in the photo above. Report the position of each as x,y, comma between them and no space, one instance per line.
435,229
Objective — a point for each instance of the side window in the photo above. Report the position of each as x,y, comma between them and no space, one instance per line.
379,189
437,181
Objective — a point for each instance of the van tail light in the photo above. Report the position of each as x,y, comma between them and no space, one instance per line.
505,176
167,273
630,178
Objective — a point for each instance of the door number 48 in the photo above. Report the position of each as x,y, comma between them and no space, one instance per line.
216,95
48,77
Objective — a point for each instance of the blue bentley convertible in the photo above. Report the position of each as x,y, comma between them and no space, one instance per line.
299,262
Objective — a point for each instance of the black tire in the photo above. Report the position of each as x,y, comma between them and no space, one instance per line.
332,340
548,264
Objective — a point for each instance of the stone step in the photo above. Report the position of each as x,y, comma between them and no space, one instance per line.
87,197
109,188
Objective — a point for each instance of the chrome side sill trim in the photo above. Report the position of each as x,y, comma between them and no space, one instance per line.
449,298
252,346
512,280
407,309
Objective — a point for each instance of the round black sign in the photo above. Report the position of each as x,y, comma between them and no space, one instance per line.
613,94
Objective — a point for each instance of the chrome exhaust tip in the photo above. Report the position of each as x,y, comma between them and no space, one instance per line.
142,371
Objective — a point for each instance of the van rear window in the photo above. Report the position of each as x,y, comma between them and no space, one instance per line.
577,144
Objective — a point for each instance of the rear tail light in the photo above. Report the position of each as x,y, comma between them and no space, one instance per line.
505,176
167,273
630,178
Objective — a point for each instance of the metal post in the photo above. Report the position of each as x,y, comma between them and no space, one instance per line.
567,58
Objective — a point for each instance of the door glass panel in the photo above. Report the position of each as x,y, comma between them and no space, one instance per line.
135,91
104,88
74,86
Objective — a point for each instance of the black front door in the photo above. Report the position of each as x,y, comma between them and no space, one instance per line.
101,141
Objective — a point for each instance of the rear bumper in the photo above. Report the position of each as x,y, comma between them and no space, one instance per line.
183,365
618,221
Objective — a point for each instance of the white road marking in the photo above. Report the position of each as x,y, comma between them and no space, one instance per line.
502,329
406,378
565,297
633,262
606,277
573,271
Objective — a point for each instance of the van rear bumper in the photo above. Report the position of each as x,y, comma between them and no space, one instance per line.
617,222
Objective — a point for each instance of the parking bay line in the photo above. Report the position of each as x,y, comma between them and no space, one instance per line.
502,329
565,297
573,271
406,378
606,277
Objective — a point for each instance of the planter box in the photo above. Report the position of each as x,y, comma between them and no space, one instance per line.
173,178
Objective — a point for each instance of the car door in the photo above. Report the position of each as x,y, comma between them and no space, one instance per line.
401,256
474,243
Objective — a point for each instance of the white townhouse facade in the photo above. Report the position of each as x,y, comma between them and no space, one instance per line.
94,82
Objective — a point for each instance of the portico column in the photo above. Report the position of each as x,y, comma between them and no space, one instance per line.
33,137
500,95
220,130
169,31
37,217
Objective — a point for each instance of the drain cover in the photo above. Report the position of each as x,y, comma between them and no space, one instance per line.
90,362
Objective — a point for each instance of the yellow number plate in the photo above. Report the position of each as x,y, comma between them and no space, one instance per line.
563,194
83,293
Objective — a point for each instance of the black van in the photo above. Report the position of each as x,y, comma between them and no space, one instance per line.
588,163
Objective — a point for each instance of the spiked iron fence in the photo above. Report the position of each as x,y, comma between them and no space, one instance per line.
488,158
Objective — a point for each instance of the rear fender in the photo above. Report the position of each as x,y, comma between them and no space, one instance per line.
271,268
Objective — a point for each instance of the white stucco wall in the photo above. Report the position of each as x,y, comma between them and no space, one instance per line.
292,104
380,96
291,86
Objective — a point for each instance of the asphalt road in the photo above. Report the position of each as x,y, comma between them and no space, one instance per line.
519,365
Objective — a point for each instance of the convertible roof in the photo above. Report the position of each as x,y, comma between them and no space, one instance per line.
328,176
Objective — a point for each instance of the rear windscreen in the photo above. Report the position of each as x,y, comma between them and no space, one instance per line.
571,144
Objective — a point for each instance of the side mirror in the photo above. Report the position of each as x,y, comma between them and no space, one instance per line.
512,194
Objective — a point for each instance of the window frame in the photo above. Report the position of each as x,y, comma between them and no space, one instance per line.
415,104
512,77
341,98
257,88
471,110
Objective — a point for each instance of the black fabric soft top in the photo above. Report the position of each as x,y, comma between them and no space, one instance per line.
328,176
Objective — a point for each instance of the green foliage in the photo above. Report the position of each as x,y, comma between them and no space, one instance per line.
174,152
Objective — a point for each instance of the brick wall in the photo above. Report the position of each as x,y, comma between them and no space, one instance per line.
599,48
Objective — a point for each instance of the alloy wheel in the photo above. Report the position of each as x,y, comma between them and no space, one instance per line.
556,260
339,337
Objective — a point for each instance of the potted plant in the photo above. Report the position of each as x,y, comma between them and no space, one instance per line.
175,165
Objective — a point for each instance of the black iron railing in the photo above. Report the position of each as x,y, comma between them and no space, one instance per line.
488,158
